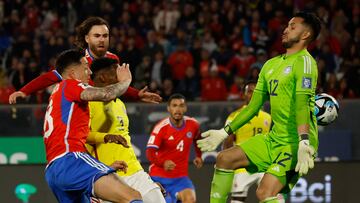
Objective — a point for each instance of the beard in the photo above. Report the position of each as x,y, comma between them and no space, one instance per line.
96,51
291,42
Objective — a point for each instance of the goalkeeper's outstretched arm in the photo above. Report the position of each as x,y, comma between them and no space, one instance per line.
212,138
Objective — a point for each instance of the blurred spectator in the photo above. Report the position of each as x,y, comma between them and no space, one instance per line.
344,90
152,46
143,73
5,88
167,17
261,58
167,89
160,69
236,90
208,43
190,85
179,61
240,63
332,86
213,88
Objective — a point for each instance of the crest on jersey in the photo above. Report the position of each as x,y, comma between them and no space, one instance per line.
287,70
266,123
306,83
189,134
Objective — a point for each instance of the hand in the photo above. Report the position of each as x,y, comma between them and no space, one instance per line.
305,157
169,165
15,95
162,189
198,162
119,166
117,139
211,139
123,73
149,97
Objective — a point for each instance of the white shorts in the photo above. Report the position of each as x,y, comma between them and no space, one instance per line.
141,182
242,181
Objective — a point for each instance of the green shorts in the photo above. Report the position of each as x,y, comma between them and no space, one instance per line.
266,155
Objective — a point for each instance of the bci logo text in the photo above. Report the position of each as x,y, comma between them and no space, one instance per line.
14,158
314,192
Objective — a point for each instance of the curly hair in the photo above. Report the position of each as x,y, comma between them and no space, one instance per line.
85,27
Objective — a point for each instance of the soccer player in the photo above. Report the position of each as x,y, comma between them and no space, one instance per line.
289,82
93,38
72,174
168,151
259,124
109,121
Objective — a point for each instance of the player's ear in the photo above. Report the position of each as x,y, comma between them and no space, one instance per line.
87,39
306,35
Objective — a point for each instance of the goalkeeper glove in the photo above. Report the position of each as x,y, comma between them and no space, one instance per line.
305,157
212,139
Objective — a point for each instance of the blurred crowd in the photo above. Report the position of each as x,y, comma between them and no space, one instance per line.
206,50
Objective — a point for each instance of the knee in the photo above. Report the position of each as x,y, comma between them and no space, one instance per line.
223,161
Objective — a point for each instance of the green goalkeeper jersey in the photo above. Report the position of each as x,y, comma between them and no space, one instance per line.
283,77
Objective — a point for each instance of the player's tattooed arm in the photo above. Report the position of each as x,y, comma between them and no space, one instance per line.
110,92
107,93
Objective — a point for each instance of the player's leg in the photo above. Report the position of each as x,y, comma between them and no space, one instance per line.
226,162
268,189
184,190
150,191
280,175
187,196
168,185
241,184
111,188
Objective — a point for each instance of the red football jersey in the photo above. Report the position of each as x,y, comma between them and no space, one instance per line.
108,54
174,144
66,124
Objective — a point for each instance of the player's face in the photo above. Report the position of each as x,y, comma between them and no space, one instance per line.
98,40
249,89
110,76
294,32
82,71
177,109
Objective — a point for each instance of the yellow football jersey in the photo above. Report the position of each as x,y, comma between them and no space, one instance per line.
111,118
260,123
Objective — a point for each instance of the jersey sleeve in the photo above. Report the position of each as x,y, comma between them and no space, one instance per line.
41,82
155,138
197,137
305,75
261,85
73,90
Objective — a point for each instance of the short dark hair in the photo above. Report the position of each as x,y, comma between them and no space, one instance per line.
176,96
249,82
312,21
84,29
67,58
103,63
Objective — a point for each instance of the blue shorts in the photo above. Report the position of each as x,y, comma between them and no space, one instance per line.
71,177
173,186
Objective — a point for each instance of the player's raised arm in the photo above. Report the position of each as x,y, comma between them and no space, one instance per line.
110,92
41,82
212,138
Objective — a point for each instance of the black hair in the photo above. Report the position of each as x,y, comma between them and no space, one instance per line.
102,64
250,82
176,96
84,29
312,21
67,58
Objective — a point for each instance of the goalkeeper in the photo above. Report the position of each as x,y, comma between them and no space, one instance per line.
289,82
